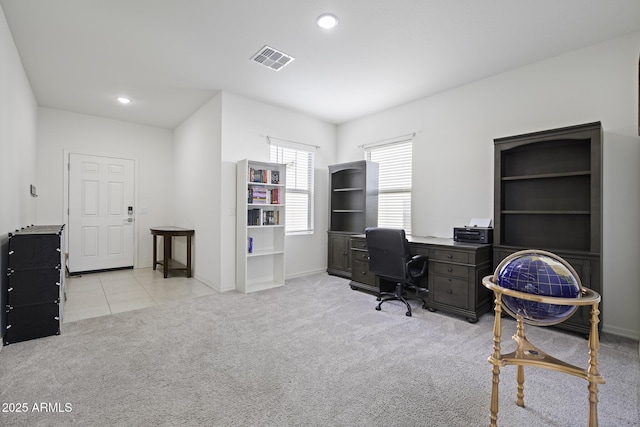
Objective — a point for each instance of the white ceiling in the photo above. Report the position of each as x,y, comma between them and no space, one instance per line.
171,56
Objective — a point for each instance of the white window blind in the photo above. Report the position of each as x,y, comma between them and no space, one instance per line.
394,183
299,187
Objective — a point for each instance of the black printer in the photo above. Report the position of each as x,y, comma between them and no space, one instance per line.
483,235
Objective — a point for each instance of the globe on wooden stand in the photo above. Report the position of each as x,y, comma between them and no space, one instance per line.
540,288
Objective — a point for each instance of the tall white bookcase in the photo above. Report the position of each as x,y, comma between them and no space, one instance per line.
260,220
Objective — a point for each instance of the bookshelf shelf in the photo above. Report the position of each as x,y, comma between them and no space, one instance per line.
264,252
263,286
337,190
260,225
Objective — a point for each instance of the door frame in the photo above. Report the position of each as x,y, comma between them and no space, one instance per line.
65,197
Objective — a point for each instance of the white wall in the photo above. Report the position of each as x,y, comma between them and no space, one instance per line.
197,186
453,150
18,112
61,132
245,125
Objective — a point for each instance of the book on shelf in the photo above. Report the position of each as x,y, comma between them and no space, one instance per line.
263,217
255,175
264,196
250,244
268,218
258,195
265,176
275,196
254,216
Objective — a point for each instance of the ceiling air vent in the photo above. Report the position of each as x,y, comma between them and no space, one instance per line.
272,58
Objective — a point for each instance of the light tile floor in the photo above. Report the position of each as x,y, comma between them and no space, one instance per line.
101,294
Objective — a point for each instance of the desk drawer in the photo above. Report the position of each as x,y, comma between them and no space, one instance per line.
451,256
453,270
361,273
358,243
450,291
360,255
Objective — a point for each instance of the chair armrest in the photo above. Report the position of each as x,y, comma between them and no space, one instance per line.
418,259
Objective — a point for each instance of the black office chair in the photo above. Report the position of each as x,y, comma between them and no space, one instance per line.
390,259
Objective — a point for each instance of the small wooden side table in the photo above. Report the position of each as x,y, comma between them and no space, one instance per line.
167,233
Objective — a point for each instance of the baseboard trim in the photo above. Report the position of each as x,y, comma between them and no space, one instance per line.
207,282
104,270
305,273
627,333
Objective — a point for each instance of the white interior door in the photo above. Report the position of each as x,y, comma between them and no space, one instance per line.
101,201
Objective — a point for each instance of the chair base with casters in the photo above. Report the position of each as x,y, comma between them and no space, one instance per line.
391,260
401,295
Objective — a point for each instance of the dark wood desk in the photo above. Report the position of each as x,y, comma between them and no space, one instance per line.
167,233
454,277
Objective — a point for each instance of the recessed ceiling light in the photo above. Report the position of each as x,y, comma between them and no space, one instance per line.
123,100
327,20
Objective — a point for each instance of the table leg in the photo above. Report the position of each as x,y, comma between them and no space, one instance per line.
495,360
594,373
166,255
188,256
520,369
155,246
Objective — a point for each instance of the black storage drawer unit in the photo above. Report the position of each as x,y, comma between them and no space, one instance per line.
35,247
34,286
35,296
32,321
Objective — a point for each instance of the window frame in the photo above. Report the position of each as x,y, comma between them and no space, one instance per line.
403,155
288,155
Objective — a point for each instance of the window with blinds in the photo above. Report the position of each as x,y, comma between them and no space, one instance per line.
299,187
394,183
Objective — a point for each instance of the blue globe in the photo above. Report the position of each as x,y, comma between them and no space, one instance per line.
543,274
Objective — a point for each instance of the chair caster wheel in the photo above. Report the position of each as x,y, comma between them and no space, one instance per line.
408,314
378,308
424,306
378,299
431,309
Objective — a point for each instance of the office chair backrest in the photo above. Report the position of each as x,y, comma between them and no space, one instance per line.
388,252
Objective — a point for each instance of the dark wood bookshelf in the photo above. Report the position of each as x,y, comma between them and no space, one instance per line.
353,206
548,195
